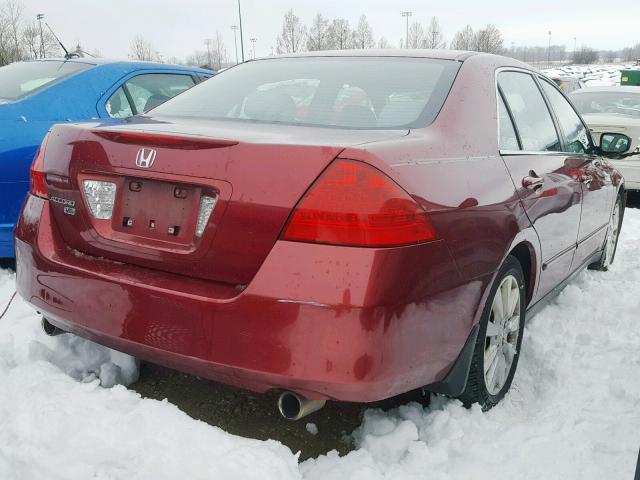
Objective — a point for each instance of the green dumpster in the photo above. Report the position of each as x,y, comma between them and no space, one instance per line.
630,77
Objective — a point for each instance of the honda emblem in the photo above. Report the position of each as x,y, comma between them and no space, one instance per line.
145,157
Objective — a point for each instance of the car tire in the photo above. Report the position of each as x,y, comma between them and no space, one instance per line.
613,233
499,339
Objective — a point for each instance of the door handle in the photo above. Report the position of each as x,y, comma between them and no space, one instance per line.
532,180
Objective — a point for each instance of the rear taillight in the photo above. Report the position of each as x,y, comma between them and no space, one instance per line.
38,184
355,204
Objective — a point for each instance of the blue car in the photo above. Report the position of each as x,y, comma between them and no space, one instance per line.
37,94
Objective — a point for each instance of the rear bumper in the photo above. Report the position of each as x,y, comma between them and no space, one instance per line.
326,322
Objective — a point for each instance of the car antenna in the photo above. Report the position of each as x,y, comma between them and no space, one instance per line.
67,55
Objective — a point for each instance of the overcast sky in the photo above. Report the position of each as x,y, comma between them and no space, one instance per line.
177,28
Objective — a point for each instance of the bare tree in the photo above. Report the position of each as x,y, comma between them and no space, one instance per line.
318,37
293,34
219,52
434,38
33,42
340,35
585,55
141,49
11,42
463,39
557,53
383,43
173,60
631,53
213,58
31,39
198,58
416,35
363,35
489,40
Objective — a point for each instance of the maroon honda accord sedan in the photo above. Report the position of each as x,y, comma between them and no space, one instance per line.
339,225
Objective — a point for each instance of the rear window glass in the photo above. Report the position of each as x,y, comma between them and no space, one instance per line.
344,92
20,79
153,89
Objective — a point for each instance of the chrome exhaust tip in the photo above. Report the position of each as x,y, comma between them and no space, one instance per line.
294,407
50,329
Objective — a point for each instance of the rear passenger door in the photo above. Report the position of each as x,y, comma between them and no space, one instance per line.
597,187
532,148
141,93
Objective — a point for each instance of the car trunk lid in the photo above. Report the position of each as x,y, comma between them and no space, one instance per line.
253,174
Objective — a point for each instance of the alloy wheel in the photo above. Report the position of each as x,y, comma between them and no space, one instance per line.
501,339
612,238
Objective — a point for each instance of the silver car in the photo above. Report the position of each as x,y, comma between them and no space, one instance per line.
615,110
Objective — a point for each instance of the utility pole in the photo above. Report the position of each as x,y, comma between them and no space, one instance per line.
549,51
253,43
241,38
406,39
235,39
40,17
575,46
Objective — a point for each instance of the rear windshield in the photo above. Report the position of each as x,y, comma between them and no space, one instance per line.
20,79
338,92
621,103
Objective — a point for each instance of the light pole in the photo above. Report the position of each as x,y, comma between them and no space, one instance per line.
549,51
40,17
406,39
241,40
235,39
253,44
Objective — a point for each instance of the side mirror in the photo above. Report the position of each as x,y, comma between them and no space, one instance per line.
614,143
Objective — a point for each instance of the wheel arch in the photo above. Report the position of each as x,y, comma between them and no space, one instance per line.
525,254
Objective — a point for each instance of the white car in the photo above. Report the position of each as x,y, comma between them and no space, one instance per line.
614,110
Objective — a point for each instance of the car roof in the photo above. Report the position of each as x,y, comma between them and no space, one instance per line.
138,64
611,119
459,55
438,54
619,89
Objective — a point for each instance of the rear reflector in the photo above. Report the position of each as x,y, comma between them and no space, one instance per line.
207,204
37,180
100,197
353,203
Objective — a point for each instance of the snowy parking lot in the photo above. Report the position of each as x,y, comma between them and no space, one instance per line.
573,411
591,75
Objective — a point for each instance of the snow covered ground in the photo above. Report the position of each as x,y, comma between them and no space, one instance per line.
573,412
